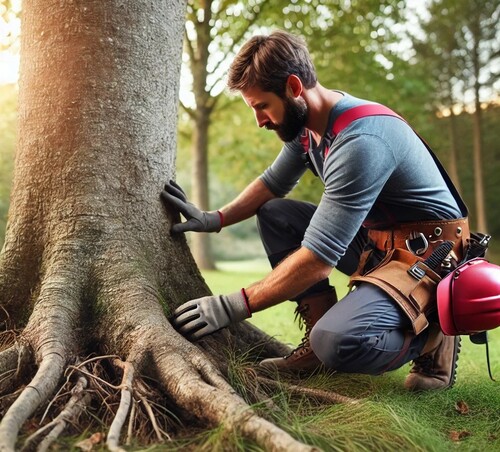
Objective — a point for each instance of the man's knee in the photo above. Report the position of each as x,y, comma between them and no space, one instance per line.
268,210
345,352
282,224
331,347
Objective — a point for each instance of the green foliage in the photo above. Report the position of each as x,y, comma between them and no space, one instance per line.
491,162
8,124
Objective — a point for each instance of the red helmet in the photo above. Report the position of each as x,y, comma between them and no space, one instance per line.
468,299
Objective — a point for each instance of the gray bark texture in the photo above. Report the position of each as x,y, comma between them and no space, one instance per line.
89,271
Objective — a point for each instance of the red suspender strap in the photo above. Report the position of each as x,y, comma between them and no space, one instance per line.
360,112
305,141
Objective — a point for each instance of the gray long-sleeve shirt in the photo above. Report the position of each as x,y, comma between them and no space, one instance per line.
377,173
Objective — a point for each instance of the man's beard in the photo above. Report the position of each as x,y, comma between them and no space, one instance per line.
294,120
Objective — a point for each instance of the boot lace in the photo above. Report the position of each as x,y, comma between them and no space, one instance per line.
302,314
424,364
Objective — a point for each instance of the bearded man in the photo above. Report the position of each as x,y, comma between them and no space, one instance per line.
384,196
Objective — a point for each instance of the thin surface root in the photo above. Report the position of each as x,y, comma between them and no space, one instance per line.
40,388
79,400
13,362
222,407
318,394
112,441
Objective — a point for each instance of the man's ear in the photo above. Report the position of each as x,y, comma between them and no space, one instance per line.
294,85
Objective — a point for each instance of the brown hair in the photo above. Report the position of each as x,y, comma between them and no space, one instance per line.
267,62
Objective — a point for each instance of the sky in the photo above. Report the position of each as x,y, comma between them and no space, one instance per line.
9,67
9,59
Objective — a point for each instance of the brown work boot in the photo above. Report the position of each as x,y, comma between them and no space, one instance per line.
436,367
310,310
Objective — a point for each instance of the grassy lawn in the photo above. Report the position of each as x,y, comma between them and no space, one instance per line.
464,418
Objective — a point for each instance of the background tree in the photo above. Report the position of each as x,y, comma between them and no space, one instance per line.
8,121
214,29
438,53
478,36
460,47
88,267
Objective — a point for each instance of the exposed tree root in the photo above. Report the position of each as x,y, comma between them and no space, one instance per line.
16,357
131,419
193,377
155,412
53,342
318,394
39,389
189,378
77,403
9,365
160,434
123,409
199,388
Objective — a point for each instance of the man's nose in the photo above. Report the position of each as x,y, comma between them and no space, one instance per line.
261,118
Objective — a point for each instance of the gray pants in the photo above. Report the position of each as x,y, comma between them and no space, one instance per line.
366,332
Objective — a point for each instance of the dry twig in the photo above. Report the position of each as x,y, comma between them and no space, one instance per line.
159,432
131,419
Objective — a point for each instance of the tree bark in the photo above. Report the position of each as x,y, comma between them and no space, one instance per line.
453,161
89,267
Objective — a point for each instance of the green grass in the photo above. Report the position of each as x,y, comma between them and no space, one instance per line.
390,418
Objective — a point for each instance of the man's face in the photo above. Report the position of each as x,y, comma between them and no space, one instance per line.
285,116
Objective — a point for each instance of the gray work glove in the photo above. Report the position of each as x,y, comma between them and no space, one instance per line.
197,220
197,318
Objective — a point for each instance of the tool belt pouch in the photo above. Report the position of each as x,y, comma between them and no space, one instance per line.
408,281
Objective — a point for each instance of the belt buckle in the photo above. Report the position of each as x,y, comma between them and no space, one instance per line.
416,271
417,243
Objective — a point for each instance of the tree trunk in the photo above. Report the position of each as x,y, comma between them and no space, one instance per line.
88,266
476,34
453,162
200,243
481,222
204,16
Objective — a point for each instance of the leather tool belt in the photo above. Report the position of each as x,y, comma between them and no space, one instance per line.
406,246
421,238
